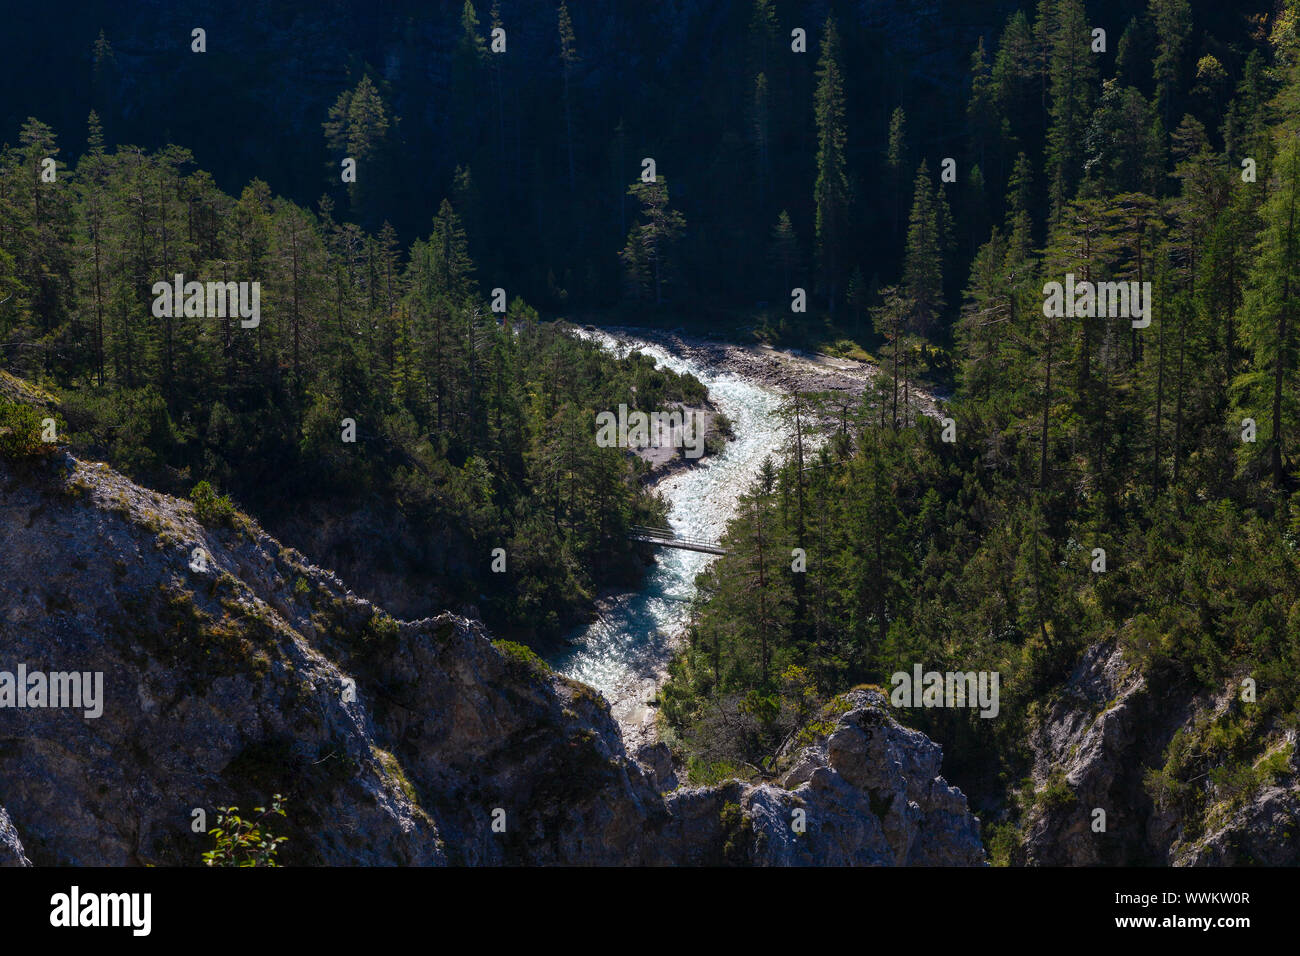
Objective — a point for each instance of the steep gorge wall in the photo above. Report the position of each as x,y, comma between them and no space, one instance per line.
1113,726
231,680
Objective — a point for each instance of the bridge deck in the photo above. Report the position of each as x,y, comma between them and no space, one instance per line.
665,537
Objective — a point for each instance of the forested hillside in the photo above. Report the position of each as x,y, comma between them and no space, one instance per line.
1075,223
1102,481
377,398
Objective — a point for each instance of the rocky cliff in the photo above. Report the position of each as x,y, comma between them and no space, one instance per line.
233,669
1185,776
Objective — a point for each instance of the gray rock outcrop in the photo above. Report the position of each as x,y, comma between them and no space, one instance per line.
233,669
11,848
1108,730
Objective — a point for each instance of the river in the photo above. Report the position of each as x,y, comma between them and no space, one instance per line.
623,653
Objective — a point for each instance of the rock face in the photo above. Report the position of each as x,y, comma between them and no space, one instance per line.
1264,831
872,795
1091,737
1110,727
232,669
869,794
11,849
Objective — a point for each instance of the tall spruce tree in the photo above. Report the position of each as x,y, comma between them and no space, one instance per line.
831,191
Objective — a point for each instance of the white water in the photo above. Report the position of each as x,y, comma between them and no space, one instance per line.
632,639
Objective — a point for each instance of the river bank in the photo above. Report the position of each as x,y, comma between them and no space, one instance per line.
785,370
625,652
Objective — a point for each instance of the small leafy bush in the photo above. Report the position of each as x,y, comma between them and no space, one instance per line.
212,510
240,842
20,432
522,660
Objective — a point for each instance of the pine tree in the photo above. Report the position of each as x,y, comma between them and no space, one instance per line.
896,160
469,60
94,179
878,526
104,79
983,324
1133,54
785,251
358,128
1245,128
982,115
498,88
757,582
763,31
831,192
1269,314
1073,72
646,256
772,100
45,217
923,262
1019,224
449,254
888,320
1124,144
1173,26
1016,80
1035,576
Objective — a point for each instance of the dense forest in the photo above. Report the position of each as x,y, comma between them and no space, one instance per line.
1091,478
538,142
376,377
1107,481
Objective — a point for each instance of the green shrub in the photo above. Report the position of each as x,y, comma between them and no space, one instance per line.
240,842
523,660
702,773
380,627
211,509
1057,795
737,834
21,428
1002,841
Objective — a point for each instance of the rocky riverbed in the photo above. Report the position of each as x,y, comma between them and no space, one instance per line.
625,653
785,370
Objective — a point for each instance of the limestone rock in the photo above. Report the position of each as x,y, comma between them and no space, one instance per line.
11,848
1110,726
393,742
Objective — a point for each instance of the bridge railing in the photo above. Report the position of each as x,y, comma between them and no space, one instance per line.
669,536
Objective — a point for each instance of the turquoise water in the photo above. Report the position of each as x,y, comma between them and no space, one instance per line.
632,639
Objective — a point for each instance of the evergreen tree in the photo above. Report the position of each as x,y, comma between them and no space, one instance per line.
923,263
358,128
1269,315
647,253
896,160
831,192
469,60
450,251
1172,20
785,252
1073,72
982,115
1016,81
